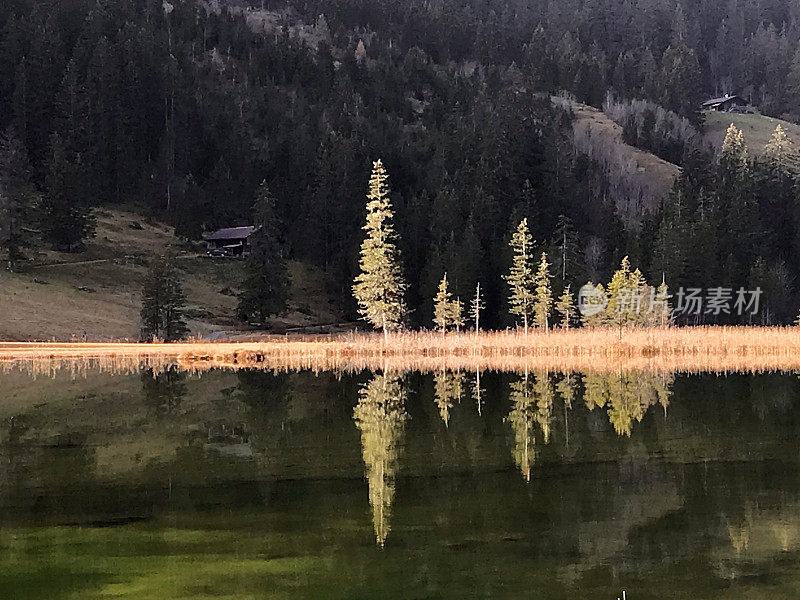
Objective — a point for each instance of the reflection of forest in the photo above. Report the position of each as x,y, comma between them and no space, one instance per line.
380,416
634,491
627,396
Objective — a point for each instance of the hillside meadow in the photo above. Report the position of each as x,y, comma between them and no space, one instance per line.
757,130
97,293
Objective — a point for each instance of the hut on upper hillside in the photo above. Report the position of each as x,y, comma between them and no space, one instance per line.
725,103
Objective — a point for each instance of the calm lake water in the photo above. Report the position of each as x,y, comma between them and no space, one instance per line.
251,485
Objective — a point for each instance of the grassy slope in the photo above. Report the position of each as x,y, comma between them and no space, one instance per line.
98,291
661,172
757,130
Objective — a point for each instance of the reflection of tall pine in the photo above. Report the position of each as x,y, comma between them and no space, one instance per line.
379,287
380,415
163,303
265,290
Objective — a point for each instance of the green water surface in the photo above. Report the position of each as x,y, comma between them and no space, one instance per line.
258,486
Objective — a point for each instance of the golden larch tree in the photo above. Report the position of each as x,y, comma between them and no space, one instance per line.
379,287
543,302
520,277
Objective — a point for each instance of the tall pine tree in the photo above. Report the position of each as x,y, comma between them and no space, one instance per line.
566,308
17,198
265,290
379,287
441,306
520,277
544,295
66,219
163,303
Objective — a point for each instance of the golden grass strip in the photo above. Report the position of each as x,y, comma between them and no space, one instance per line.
689,349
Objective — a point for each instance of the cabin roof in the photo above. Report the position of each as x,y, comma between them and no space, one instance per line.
230,233
721,100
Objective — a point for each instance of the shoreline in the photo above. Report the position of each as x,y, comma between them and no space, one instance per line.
684,349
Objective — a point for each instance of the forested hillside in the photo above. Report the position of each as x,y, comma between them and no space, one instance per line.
183,109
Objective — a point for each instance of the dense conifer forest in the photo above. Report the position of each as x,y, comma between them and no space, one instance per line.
184,109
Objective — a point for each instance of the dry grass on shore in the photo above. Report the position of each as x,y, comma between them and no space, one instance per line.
696,349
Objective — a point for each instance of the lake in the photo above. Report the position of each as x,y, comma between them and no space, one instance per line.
164,484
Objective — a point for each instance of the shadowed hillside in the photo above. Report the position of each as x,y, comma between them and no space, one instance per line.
98,292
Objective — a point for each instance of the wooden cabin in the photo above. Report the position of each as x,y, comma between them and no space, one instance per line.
725,103
231,241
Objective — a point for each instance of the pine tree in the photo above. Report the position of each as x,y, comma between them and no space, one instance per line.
322,30
447,312
17,198
793,79
442,306
163,303
265,290
639,293
520,278
565,246
778,148
661,308
65,218
476,306
739,212
734,149
566,308
628,297
544,295
361,52
670,247
468,261
457,313
220,191
681,81
379,287
620,295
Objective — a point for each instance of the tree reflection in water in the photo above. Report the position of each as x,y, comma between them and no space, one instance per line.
627,395
163,391
380,415
531,406
448,389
